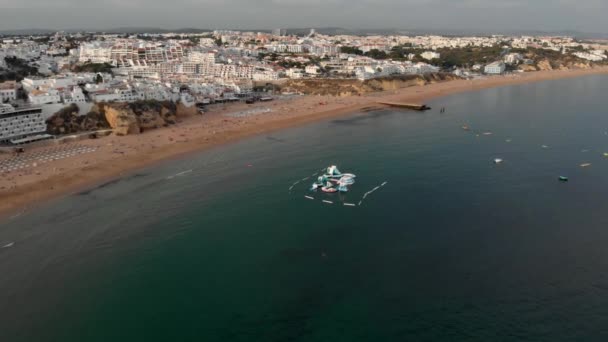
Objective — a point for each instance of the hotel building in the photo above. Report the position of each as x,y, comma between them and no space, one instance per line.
22,125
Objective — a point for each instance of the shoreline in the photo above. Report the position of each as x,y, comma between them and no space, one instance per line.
115,157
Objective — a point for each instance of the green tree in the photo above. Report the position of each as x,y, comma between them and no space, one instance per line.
376,54
351,50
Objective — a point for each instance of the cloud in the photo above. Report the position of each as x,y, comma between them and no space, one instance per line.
263,14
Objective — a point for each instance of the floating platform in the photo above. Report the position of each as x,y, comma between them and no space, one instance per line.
414,106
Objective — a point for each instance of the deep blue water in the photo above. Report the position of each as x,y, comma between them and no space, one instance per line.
453,248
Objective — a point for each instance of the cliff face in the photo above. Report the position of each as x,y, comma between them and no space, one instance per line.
546,64
123,118
68,120
350,87
134,118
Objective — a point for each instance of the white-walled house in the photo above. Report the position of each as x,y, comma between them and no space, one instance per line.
74,96
428,55
39,97
8,91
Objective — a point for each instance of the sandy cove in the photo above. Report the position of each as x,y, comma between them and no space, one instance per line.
115,157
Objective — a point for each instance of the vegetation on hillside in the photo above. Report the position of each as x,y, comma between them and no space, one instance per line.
94,67
351,50
68,121
16,70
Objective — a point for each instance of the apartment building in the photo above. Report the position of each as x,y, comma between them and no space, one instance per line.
21,123
495,68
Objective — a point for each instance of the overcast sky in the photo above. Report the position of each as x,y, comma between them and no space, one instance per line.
581,15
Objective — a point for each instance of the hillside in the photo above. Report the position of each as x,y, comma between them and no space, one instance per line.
350,87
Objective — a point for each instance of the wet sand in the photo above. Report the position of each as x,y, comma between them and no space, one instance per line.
22,190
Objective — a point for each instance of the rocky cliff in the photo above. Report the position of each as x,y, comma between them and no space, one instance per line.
134,118
349,87
123,118
68,120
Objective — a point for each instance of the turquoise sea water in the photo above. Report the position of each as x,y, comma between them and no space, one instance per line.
453,248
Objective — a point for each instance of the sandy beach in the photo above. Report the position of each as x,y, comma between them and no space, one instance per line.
83,164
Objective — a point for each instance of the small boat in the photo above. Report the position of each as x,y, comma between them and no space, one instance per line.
605,154
488,133
545,146
498,161
465,127
563,178
586,165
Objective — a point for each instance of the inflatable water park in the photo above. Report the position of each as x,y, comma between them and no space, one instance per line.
331,181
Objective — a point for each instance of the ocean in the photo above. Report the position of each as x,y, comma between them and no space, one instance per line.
223,246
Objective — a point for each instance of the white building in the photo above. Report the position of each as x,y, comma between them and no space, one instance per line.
74,96
96,52
420,68
513,58
39,97
117,95
8,91
294,73
594,56
19,124
495,68
312,69
265,75
428,55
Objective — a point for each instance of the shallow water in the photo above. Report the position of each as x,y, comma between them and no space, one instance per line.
454,247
